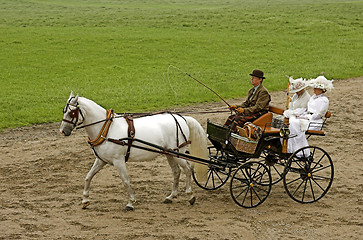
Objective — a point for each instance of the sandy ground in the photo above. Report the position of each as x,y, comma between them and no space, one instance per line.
42,176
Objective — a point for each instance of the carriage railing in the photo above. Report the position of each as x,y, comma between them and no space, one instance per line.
318,127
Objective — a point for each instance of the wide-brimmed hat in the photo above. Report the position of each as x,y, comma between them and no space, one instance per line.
257,73
297,85
322,83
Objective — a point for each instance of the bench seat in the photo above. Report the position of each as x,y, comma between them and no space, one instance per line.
265,122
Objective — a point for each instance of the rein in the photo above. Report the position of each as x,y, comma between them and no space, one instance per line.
94,123
145,115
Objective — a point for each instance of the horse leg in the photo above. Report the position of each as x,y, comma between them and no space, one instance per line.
97,166
187,168
176,174
121,168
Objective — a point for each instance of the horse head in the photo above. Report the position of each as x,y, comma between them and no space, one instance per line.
72,115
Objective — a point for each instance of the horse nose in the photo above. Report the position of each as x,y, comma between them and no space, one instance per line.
64,133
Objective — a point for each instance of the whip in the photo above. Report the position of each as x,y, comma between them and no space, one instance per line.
199,83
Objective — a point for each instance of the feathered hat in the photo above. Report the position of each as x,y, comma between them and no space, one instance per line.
297,85
322,83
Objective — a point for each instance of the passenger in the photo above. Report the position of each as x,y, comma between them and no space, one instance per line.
312,117
256,104
300,98
298,103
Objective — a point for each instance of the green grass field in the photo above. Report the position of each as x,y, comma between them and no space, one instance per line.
117,53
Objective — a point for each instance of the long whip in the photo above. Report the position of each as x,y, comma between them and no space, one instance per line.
201,84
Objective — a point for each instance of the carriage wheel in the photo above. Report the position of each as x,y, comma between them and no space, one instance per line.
250,184
218,171
275,165
217,176
308,174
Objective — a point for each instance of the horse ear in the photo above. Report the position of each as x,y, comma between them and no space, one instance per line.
72,94
75,100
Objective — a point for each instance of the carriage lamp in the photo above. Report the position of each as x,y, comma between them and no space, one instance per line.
284,132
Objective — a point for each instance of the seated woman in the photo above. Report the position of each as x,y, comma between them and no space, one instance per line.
298,103
311,118
301,97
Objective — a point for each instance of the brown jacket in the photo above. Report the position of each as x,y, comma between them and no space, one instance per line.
259,101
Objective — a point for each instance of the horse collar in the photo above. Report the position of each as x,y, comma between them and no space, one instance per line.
104,130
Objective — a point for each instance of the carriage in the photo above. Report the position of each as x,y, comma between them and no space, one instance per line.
307,174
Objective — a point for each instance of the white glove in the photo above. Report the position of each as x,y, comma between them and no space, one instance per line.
288,113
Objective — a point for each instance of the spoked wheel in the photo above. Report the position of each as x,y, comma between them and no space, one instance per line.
218,173
308,174
216,178
250,184
275,165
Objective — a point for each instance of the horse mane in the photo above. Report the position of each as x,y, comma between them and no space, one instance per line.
88,104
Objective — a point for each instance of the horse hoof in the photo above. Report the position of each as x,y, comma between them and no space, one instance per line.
85,205
192,200
128,209
168,201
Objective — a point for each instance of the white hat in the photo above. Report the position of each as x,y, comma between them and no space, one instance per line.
297,84
322,83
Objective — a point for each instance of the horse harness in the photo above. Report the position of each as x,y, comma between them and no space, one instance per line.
110,115
74,114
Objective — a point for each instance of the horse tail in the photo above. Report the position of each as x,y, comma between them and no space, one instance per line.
198,147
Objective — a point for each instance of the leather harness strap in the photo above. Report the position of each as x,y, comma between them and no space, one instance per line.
178,127
104,130
130,133
102,136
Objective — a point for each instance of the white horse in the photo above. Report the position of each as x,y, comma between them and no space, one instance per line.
160,129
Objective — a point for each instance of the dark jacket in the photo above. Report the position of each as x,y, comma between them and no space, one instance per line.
259,101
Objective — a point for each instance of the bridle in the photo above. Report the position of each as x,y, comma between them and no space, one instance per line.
73,113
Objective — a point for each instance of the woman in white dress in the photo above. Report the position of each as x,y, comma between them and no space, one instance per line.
312,117
300,99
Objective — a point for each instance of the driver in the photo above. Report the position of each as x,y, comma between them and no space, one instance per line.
256,104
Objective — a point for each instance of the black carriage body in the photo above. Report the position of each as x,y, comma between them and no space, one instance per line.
220,137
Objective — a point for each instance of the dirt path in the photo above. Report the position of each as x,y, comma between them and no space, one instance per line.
42,176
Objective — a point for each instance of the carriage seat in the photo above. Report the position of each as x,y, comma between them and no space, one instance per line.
264,122
277,110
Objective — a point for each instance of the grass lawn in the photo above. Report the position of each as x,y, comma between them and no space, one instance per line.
117,53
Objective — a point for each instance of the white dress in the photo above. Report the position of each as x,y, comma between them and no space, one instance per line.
310,119
297,106
299,101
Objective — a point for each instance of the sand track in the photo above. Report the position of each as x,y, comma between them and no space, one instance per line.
42,176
